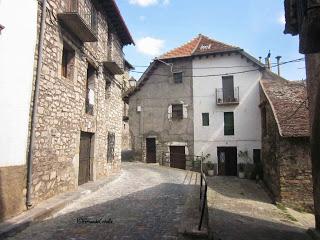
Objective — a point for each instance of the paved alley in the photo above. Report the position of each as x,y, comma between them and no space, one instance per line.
145,202
240,209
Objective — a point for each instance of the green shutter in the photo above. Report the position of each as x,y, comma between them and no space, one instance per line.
228,123
205,119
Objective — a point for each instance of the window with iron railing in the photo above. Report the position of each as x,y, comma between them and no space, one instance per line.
227,96
80,17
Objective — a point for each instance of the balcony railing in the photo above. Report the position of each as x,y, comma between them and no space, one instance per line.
80,17
227,96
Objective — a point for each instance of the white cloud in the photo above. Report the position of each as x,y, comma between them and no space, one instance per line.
150,46
282,19
166,2
143,3
146,3
142,18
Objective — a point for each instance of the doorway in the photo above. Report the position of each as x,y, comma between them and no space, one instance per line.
227,161
177,157
84,157
151,150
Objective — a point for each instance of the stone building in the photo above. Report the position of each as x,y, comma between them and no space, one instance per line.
161,114
286,160
188,103
76,130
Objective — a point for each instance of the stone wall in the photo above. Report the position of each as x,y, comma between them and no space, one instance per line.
270,140
154,98
286,166
61,113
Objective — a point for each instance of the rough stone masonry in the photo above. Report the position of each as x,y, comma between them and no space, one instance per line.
62,102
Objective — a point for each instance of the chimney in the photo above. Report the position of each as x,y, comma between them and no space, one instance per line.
267,60
260,59
278,64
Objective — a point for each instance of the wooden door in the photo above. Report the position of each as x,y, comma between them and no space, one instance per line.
151,150
177,157
227,161
84,158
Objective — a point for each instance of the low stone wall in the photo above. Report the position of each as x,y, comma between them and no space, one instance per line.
12,191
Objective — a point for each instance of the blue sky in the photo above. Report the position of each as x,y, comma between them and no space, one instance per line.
161,25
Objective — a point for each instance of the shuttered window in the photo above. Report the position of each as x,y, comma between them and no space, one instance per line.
228,123
177,111
205,119
177,77
111,144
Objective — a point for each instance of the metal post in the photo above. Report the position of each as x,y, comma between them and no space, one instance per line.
278,64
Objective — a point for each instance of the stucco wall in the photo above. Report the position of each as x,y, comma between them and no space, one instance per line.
155,97
247,123
17,47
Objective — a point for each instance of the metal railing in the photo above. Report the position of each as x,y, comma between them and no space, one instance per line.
203,195
227,97
85,10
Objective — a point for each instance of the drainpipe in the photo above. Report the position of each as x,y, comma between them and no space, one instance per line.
278,64
35,106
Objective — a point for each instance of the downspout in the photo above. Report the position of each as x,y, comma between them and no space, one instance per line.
35,106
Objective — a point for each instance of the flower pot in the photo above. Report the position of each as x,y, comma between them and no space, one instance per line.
210,172
241,175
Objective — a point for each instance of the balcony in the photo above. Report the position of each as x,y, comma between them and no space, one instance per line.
80,17
227,96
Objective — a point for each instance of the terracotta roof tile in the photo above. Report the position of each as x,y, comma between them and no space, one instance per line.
288,101
198,46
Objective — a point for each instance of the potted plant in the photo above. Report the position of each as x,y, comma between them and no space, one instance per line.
241,170
210,167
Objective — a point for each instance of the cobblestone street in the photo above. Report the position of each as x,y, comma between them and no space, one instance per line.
145,202
240,209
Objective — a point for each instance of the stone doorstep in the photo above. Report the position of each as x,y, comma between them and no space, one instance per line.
314,234
49,207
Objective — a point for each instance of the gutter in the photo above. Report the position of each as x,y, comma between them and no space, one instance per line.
35,105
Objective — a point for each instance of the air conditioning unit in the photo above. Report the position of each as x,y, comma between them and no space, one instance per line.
138,108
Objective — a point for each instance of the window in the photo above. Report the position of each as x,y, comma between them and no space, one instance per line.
177,111
111,144
205,119
228,88
67,61
90,89
177,77
228,123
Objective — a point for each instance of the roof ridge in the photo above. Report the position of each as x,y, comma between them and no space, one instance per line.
200,36
215,40
182,45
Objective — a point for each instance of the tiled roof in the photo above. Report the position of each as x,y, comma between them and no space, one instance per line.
288,100
198,46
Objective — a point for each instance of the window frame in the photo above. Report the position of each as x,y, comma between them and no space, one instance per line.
91,72
175,79
67,61
111,141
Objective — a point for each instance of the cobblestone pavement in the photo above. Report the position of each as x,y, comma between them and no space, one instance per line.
145,202
240,209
